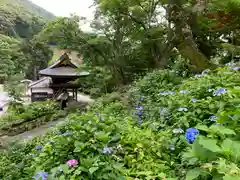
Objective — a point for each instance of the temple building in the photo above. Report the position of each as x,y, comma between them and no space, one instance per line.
56,80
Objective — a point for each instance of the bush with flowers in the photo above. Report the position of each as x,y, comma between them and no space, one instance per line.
176,129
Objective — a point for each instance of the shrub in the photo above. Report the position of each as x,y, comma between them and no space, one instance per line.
28,113
112,141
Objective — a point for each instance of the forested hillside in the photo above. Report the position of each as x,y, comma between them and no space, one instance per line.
20,21
22,18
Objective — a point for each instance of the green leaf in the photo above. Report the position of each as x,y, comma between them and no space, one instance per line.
227,145
193,174
231,148
228,177
202,128
209,144
78,146
93,169
102,136
222,130
65,168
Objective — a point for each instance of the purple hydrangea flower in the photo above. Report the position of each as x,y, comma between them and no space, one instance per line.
107,150
41,176
194,100
219,92
182,109
72,163
191,134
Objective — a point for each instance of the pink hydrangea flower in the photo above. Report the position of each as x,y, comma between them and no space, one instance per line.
72,163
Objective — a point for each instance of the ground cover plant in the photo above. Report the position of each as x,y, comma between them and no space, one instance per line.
172,128
23,114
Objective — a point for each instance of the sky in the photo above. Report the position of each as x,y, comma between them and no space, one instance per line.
67,7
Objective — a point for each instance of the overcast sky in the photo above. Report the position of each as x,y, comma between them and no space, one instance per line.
67,7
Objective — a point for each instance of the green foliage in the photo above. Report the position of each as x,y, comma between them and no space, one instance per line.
100,81
12,58
38,55
21,18
27,113
15,88
109,142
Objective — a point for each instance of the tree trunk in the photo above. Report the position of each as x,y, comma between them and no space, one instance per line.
189,49
186,44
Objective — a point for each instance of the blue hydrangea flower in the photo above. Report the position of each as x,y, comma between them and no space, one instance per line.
194,100
219,92
163,93
38,147
191,134
100,116
182,109
68,134
60,170
30,156
172,147
163,111
183,92
197,76
107,150
58,133
139,108
41,176
213,118
178,131
167,93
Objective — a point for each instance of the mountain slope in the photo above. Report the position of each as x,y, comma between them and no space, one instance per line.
22,18
31,7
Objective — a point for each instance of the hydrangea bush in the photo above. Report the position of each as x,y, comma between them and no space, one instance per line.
172,129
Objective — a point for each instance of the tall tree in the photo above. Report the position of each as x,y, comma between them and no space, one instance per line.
38,55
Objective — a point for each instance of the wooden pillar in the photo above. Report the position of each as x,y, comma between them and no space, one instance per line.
73,93
76,94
